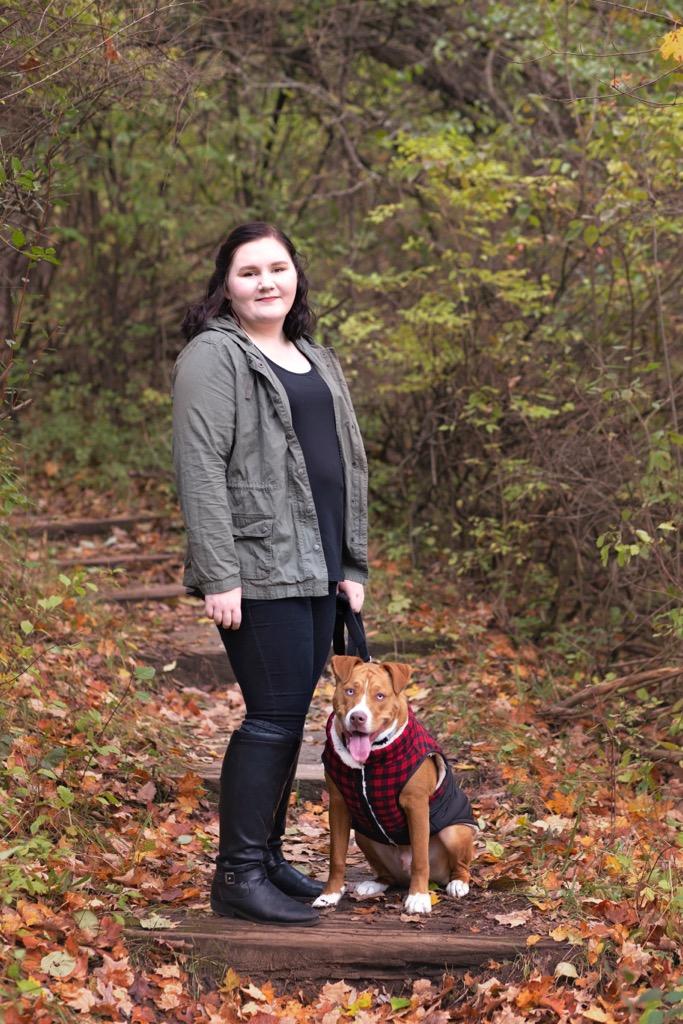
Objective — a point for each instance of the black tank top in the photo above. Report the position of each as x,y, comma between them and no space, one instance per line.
312,410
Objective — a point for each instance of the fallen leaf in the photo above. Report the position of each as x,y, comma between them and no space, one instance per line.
514,919
254,992
565,970
146,793
168,971
58,964
231,981
157,921
595,1013
82,1001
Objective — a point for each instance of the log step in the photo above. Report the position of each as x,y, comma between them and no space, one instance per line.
160,592
309,779
354,947
112,561
51,528
202,662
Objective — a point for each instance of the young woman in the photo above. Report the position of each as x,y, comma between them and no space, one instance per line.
272,479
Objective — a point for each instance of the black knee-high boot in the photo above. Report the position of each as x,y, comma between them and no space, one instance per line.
280,872
255,769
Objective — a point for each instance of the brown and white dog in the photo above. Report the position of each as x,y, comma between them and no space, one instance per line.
389,780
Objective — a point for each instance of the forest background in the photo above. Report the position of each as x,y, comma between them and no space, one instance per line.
489,198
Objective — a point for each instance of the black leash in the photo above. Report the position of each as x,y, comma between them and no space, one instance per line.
350,622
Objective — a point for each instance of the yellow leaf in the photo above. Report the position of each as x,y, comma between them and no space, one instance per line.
595,1013
564,933
231,981
612,865
672,45
434,898
531,940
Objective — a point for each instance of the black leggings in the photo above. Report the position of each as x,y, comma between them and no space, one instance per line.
278,655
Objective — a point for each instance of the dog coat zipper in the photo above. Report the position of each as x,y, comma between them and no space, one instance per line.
369,807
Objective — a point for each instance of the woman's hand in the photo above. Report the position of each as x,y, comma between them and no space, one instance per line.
225,609
355,593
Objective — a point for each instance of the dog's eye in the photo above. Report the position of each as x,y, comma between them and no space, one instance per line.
349,691
379,696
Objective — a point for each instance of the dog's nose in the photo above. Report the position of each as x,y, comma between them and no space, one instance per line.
358,719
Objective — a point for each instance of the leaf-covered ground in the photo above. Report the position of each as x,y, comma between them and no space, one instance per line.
103,824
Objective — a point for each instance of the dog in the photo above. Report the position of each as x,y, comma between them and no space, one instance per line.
389,780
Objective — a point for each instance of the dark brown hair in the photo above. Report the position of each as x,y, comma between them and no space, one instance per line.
300,319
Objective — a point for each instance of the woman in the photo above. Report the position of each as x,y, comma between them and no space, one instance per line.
272,479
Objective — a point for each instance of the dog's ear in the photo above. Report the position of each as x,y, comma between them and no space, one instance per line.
398,673
343,665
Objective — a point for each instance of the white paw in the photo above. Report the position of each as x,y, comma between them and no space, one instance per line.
370,888
329,899
456,888
418,903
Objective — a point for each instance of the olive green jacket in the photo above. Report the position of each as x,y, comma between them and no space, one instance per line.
242,481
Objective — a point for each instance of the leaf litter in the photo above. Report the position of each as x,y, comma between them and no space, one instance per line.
105,823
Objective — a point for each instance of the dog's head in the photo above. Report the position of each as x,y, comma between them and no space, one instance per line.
368,701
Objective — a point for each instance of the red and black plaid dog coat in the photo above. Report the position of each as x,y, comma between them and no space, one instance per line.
371,791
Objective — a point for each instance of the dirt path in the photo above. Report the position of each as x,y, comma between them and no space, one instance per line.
363,939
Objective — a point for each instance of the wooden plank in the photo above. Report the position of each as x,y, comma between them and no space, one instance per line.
115,560
161,592
340,949
309,779
37,527
205,664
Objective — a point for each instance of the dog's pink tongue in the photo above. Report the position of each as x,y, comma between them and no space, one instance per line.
359,746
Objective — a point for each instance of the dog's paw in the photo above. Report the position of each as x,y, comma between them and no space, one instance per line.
329,899
418,903
370,888
457,888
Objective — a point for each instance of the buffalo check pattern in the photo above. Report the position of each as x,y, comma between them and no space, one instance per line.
371,791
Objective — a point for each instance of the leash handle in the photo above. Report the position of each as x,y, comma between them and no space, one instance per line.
351,622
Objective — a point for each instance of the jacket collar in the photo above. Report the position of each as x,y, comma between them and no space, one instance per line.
316,354
228,325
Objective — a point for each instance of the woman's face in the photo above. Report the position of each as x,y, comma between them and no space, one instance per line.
261,282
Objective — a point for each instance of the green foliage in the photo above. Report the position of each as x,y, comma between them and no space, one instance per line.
11,495
100,438
659,1006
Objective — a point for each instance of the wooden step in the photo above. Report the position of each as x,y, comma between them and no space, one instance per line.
114,561
206,666
159,592
341,946
51,528
309,779
201,660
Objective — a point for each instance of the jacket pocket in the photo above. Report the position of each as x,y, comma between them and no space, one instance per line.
253,537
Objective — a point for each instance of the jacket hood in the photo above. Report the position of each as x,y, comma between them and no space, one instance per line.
228,325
